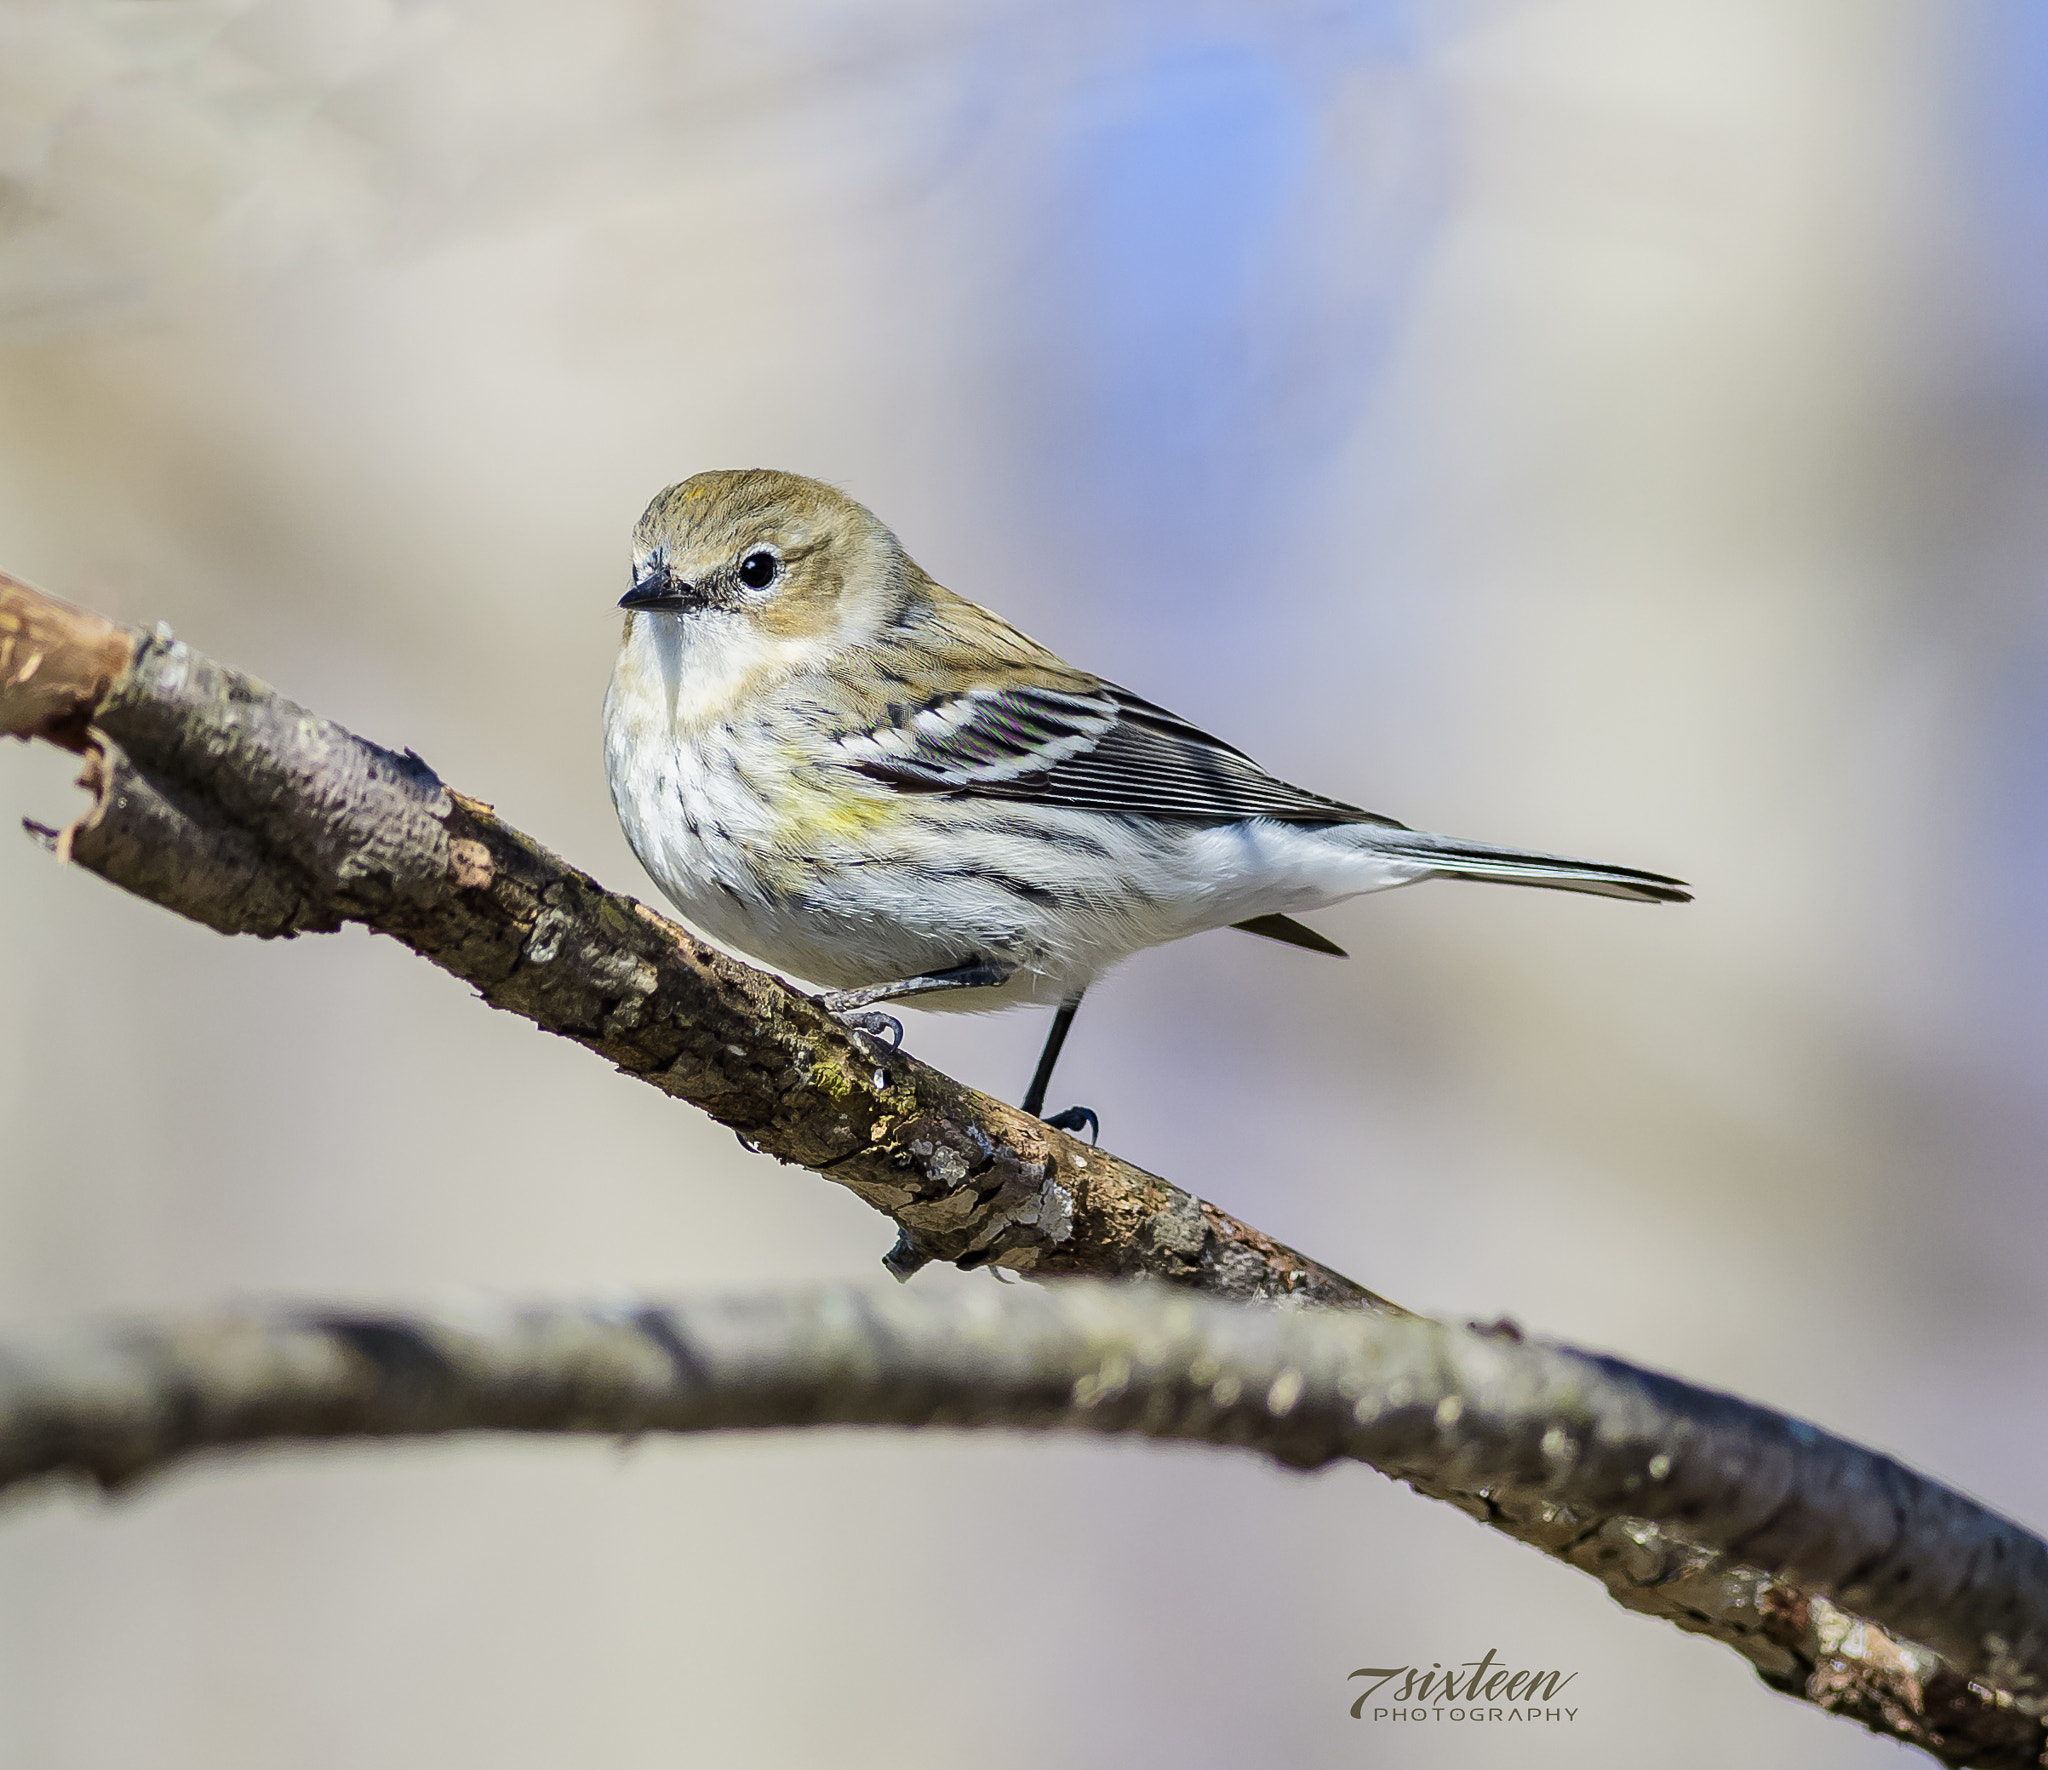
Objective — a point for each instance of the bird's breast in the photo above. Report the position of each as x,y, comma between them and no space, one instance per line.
752,805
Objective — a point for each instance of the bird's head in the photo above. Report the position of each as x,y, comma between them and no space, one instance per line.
789,556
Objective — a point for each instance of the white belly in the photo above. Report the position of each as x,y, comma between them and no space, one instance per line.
817,871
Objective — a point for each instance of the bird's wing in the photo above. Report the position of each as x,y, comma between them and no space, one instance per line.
1092,746
959,702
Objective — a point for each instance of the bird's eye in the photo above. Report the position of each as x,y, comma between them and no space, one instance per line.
759,570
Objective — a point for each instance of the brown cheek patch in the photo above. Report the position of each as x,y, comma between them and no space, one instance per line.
806,602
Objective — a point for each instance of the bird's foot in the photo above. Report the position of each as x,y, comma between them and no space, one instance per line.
877,1026
884,1033
1076,1118
906,1258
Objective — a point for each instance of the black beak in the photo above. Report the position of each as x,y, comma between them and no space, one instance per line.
654,588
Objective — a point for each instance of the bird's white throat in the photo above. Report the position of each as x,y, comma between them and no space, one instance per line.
686,673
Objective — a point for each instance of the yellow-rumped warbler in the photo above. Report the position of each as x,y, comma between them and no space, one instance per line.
833,763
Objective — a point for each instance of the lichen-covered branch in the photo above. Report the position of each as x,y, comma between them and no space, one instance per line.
1540,1431
217,798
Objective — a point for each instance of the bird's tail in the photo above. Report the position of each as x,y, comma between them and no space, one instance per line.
1450,859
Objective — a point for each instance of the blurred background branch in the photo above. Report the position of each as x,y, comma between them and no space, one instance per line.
1544,1441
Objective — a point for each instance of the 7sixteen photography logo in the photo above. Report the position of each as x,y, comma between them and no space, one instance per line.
1486,1692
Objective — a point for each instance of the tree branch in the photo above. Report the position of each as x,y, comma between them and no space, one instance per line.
219,799
1539,1431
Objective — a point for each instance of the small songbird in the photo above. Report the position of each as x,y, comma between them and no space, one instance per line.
835,764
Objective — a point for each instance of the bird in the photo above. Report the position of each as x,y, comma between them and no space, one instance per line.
832,763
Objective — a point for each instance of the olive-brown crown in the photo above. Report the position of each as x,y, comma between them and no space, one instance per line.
786,549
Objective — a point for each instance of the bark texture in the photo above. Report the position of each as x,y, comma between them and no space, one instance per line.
219,799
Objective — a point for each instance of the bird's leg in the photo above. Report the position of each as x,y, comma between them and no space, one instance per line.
1075,1117
1041,1078
974,974
848,1004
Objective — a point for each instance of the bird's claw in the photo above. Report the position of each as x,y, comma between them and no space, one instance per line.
880,1026
1076,1118
906,1258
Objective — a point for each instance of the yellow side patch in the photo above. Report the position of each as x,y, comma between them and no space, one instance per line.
810,815
818,810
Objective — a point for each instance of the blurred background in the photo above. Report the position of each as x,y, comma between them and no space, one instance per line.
1617,429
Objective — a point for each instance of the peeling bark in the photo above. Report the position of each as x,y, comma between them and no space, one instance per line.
56,662
221,800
